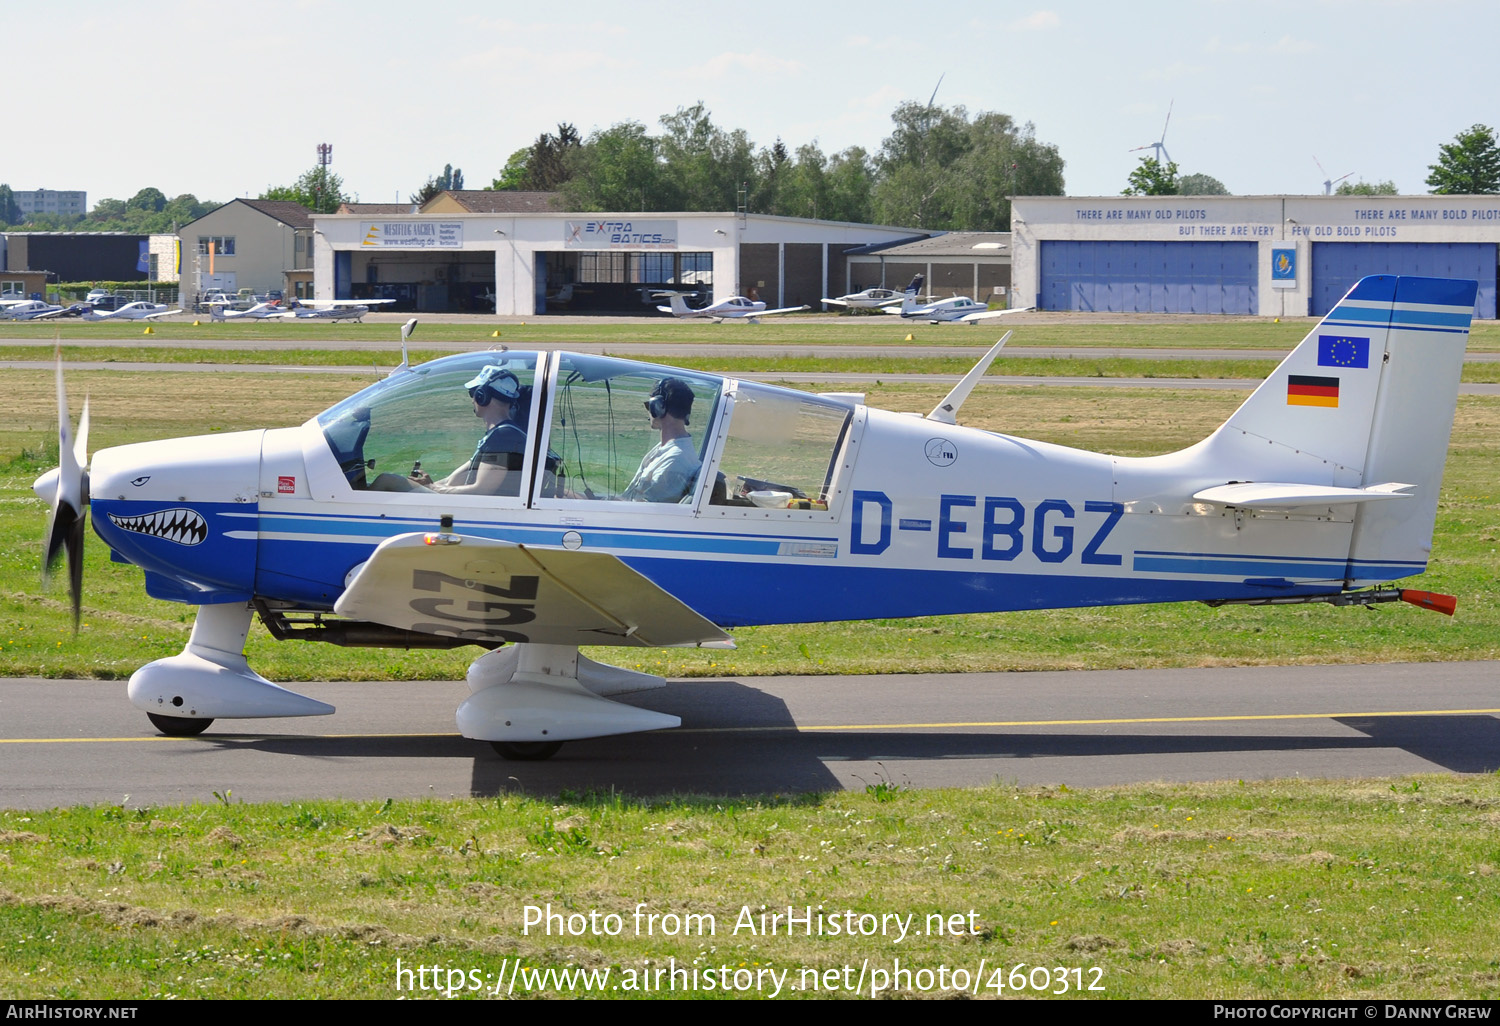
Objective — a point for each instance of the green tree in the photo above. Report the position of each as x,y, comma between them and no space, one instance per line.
1201,185
1470,164
940,170
1363,188
148,199
10,212
703,163
451,179
849,180
318,189
513,174
617,169
1152,178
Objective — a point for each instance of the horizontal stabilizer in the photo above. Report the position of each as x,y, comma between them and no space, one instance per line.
1272,495
486,590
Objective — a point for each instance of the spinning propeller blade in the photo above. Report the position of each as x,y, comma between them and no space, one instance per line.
66,488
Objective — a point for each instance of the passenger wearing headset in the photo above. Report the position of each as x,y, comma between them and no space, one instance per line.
668,470
495,468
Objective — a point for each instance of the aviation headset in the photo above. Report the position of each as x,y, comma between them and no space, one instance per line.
494,382
671,395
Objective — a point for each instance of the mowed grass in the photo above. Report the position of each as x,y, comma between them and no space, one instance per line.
1045,329
1290,889
122,628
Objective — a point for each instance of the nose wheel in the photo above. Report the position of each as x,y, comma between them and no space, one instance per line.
178,726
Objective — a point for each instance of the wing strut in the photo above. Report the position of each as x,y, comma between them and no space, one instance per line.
946,412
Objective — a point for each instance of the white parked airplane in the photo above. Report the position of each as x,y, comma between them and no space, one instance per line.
28,310
956,309
751,505
735,308
138,311
258,312
329,309
873,298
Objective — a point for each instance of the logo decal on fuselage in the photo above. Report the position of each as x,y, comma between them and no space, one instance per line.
940,452
183,526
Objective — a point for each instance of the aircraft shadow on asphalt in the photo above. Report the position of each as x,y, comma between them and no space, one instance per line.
739,740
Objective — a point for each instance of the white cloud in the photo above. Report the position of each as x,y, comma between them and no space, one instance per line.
1035,22
758,63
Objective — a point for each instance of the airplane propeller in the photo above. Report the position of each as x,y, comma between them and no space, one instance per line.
67,489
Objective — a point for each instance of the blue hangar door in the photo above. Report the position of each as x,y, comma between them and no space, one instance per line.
1336,266
1149,277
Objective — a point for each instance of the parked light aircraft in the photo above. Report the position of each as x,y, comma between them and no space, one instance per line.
138,311
783,507
874,298
28,310
258,312
956,309
735,308
329,309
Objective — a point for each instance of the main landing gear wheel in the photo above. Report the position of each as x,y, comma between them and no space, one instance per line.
178,726
524,751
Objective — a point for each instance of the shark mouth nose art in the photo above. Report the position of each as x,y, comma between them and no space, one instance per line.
183,526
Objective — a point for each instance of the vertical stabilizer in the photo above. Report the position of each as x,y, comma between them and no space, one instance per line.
1366,400
1413,417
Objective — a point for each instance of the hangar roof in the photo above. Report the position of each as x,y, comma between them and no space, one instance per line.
285,211
490,201
941,244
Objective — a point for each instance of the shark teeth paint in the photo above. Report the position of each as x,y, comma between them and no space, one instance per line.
181,525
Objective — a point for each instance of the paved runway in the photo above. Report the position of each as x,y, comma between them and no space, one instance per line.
66,742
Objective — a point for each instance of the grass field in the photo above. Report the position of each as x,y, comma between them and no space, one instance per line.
1080,330
1293,890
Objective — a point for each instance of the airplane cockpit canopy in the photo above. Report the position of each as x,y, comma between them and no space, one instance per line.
580,429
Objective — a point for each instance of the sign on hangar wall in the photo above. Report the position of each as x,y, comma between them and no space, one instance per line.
412,234
620,234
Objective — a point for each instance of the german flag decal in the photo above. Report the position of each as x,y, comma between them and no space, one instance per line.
1311,390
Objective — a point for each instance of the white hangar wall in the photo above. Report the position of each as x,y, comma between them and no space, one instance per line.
1264,255
527,264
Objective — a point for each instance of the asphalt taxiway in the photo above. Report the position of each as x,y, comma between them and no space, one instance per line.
66,742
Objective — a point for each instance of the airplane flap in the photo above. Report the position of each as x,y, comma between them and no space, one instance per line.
1271,495
464,586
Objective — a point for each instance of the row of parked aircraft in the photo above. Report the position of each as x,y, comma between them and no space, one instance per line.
298,310
36,310
906,304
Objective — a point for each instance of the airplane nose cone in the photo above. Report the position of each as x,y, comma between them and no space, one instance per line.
45,486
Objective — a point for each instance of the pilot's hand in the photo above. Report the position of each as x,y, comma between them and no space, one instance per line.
423,478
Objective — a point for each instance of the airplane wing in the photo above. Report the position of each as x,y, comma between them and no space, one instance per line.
785,309
837,302
988,314
164,313
343,302
492,590
1275,495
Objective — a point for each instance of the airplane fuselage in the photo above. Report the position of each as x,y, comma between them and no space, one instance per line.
920,518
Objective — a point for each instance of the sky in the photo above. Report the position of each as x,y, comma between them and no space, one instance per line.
185,97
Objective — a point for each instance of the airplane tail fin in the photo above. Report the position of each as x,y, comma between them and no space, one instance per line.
1365,402
912,293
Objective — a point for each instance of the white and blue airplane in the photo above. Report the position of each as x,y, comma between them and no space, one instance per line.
781,507
953,310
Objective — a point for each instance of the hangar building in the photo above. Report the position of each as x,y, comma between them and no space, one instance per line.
1262,255
540,261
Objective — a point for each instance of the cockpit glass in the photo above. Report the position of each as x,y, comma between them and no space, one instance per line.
782,449
423,431
628,431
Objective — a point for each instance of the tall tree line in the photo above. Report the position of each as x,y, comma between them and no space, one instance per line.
939,169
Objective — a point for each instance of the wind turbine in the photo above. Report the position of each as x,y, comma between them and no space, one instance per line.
1160,146
1329,183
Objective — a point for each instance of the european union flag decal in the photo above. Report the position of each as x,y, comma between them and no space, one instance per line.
1343,351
